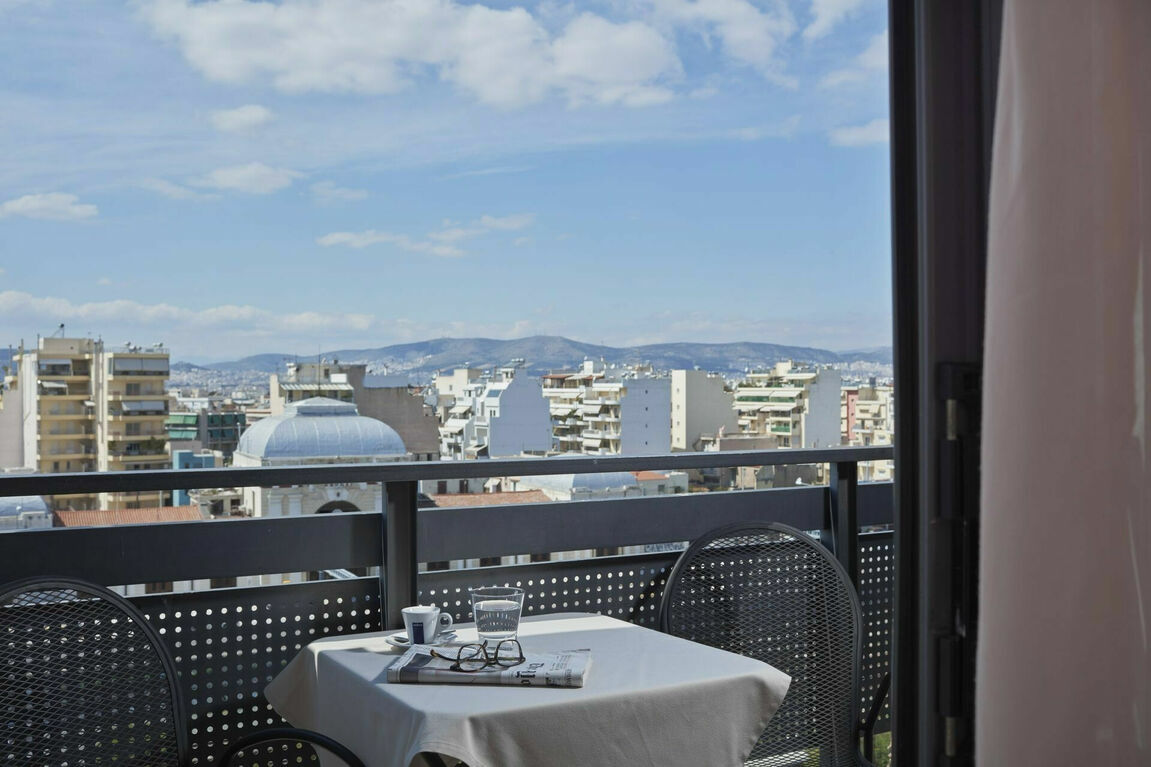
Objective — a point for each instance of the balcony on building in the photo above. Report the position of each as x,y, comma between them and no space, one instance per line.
613,525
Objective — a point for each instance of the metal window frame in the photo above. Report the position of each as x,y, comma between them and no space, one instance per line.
943,80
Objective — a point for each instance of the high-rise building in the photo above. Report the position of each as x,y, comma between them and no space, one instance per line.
798,406
593,410
701,405
90,407
635,410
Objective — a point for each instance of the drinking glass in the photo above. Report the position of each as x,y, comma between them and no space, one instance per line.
496,610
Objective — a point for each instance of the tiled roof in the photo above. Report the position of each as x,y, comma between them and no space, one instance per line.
489,499
102,517
649,475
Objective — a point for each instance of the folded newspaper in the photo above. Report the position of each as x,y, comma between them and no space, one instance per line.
566,668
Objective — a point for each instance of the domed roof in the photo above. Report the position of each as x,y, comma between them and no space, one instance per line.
604,480
16,505
320,428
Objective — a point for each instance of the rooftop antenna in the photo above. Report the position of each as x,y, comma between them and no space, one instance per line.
59,332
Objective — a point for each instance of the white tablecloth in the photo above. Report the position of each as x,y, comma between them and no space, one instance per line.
649,699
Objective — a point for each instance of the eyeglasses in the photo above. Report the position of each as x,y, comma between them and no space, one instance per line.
470,658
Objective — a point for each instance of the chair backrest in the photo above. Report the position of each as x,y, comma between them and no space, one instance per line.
771,592
84,680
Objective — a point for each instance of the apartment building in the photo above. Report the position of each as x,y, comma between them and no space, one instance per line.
868,418
701,406
385,398
497,415
208,429
11,423
598,410
450,386
86,406
798,406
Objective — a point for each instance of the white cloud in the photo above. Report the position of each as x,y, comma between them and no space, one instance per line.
2,271
875,132
457,233
747,34
519,242
401,241
54,206
785,129
241,119
503,57
442,242
327,191
873,60
104,281
253,178
175,191
515,221
453,232
158,317
498,170
827,14
611,63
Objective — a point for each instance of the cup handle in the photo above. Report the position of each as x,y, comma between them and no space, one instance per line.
445,622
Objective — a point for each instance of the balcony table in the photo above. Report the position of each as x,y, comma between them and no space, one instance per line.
648,699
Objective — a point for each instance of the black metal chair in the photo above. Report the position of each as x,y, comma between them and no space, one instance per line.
770,592
85,681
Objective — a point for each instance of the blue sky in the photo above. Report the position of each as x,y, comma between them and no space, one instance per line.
234,177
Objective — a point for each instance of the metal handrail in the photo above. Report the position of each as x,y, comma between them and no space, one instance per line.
411,471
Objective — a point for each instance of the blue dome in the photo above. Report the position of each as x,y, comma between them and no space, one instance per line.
600,481
320,428
16,505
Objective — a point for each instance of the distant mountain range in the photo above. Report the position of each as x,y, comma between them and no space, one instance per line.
545,353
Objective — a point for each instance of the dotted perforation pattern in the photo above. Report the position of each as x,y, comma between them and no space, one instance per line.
876,589
228,644
771,596
279,753
625,587
81,684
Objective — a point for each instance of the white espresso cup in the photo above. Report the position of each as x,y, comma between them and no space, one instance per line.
425,622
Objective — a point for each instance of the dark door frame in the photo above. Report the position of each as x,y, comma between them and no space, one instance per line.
943,69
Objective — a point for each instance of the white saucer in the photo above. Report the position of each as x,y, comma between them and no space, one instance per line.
401,640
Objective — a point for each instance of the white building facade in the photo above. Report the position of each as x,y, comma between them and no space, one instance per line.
701,405
500,416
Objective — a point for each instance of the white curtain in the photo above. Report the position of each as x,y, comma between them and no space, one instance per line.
1063,676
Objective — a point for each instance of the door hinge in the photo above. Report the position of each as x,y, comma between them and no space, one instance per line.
953,531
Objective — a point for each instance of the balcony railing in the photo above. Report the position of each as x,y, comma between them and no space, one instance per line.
230,642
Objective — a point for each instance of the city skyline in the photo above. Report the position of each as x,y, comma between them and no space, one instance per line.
623,174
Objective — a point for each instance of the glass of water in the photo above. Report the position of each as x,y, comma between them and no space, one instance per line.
496,610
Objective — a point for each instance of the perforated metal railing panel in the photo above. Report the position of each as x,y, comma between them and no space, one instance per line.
876,590
624,587
776,597
229,643
81,684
